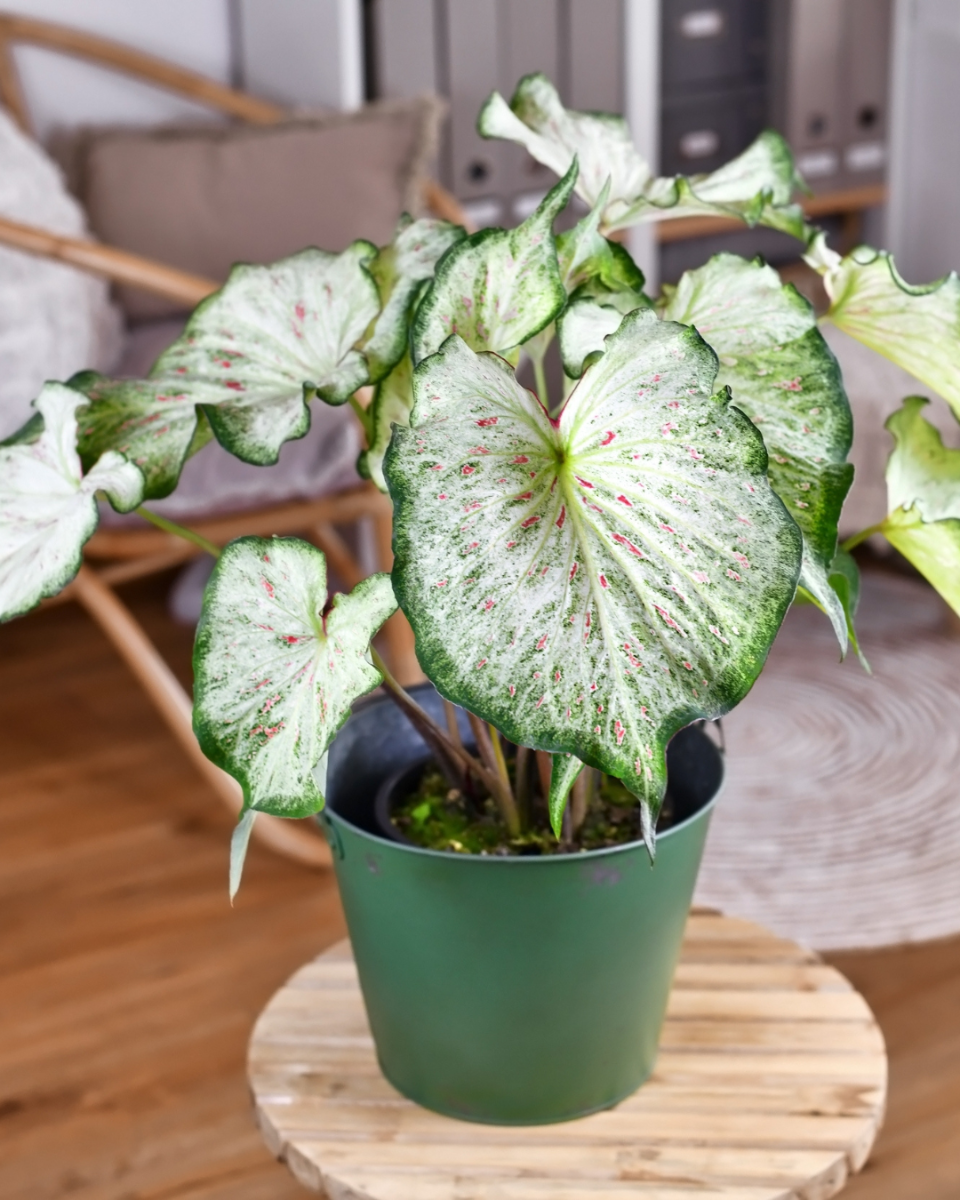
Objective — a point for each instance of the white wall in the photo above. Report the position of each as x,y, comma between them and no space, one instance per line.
65,91
924,212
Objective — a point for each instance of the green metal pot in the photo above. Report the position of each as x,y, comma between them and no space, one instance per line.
511,990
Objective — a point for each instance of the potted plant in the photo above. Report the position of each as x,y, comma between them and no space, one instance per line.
588,574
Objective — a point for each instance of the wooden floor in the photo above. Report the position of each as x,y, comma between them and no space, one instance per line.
129,985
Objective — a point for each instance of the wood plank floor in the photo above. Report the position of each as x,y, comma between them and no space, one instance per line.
129,985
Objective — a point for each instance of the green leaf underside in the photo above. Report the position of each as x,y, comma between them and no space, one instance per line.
784,376
272,339
392,402
564,770
399,270
923,488
48,508
275,678
918,328
155,424
755,187
593,584
497,288
844,577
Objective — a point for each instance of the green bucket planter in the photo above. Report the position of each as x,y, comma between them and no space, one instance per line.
511,990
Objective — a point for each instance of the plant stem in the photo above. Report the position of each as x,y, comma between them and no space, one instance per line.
363,415
450,712
453,760
501,790
541,377
862,536
179,531
521,784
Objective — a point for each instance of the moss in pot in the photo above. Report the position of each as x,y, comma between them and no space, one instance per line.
587,574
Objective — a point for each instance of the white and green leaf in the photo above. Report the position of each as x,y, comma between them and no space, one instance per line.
271,340
594,582
564,769
277,667
755,187
400,271
923,489
48,506
154,423
918,328
391,403
784,376
498,287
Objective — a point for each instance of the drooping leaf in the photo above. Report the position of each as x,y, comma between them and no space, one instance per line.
918,328
563,774
48,507
392,402
400,270
239,841
277,669
923,489
784,376
153,423
499,287
844,577
755,187
269,341
590,584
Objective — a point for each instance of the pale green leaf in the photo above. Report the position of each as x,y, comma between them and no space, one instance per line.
581,329
400,271
784,376
591,583
755,187
392,402
277,668
921,471
587,257
497,288
932,546
48,507
564,770
269,341
918,328
239,841
153,423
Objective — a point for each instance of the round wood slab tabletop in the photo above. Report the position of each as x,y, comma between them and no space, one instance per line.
770,1085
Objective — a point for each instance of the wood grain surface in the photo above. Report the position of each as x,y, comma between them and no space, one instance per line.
770,1085
129,987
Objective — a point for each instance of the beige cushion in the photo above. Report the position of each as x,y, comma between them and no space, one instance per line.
204,197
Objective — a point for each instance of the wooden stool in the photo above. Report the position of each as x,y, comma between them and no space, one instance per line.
770,1084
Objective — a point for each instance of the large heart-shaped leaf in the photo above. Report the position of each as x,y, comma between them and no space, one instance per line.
400,270
784,376
923,490
272,339
48,507
277,667
499,287
153,423
755,187
918,328
594,582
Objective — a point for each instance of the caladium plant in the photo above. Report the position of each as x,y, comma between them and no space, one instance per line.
585,573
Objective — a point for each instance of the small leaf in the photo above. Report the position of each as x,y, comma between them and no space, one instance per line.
239,841
564,771
497,288
784,376
581,329
581,582
844,577
400,270
277,670
48,508
153,423
392,402
586,256
918,328
269,341
755,187
933,547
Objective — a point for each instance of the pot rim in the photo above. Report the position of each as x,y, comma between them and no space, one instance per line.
328,813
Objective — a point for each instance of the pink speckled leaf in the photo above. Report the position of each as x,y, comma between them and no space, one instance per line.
277,668
48,507
784,376
593,583
271,340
